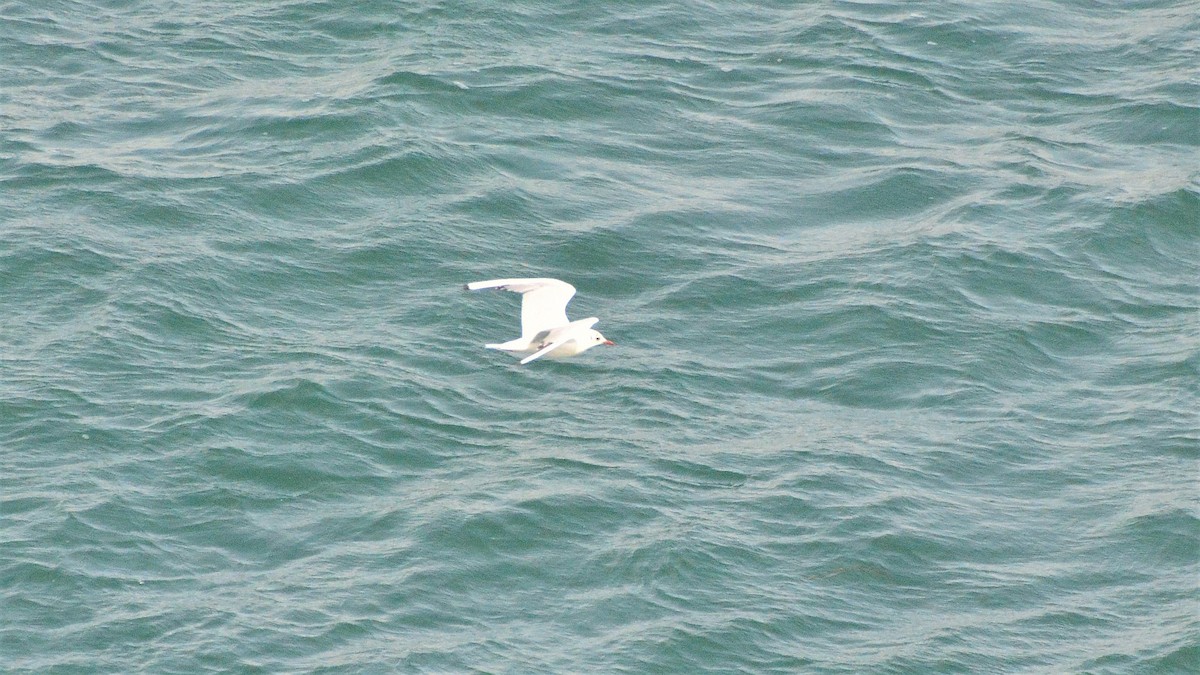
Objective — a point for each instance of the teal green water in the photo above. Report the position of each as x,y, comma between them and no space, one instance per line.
905,297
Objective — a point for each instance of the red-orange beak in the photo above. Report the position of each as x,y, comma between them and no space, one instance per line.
610,343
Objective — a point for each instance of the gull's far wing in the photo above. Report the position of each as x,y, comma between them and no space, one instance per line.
543,301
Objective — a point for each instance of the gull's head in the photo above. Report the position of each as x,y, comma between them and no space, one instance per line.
595,338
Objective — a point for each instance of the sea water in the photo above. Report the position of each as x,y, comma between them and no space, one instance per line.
904,296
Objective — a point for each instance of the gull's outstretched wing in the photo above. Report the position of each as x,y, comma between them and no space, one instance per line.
545,350
543,302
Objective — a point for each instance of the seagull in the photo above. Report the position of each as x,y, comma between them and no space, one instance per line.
545,329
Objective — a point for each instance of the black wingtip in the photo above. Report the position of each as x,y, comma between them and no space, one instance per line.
466,287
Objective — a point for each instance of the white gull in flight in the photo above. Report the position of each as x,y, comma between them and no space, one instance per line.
545,329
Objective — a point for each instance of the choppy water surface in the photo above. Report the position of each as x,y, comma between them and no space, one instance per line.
905,299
